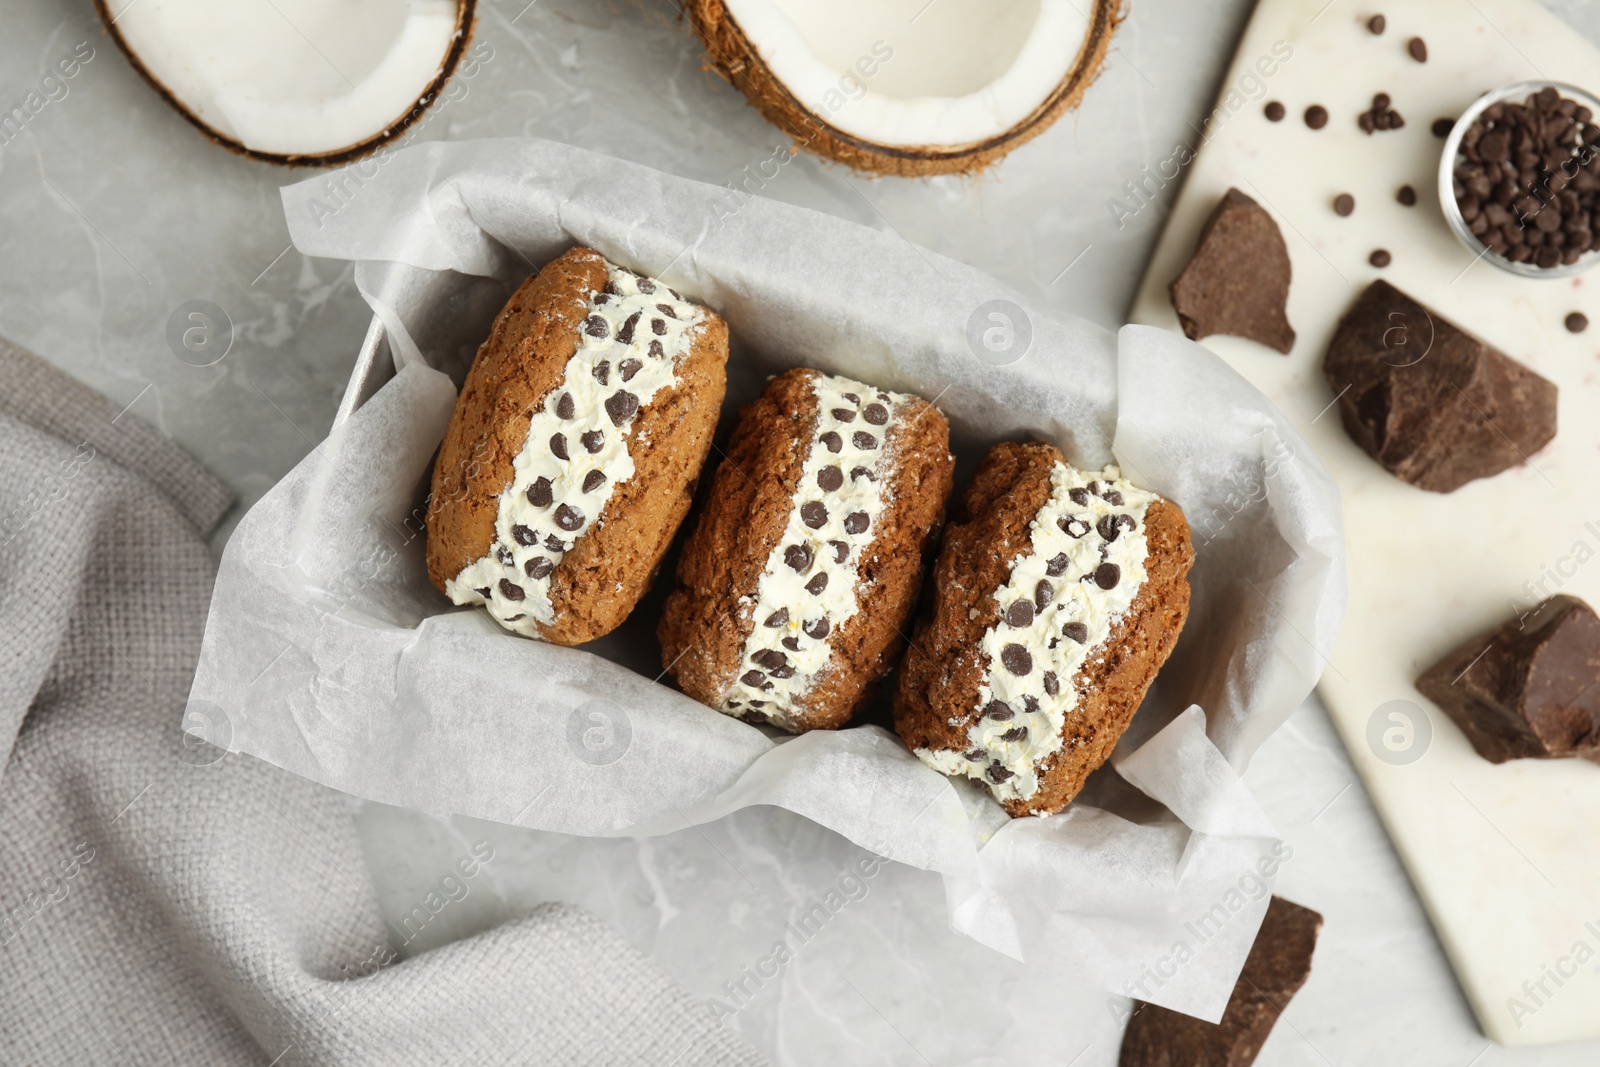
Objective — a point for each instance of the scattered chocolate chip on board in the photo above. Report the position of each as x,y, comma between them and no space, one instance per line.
1278,965
1530,689
1237,282
1435,406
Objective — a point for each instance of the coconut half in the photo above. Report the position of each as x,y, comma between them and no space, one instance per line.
909,87
294,81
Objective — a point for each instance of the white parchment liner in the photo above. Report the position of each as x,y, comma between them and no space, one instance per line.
329,653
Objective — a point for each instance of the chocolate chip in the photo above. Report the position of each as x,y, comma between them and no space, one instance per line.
646,286
816,629
753,679
831,441
791,643
554,543
621,406
843,414
786,671
998,774
524,536
778,618
1108,528
564,406
818,583
595,326
602,371
1577,322
1343,205
511,590
1020,614
1418,49
593,441
997,710
1016,733
770,658
758,704
1079,496
1380,258
977,755
1107,575
798,557
1016,659
656,351
1376,24
539,493
1316,116
1072,526
611,288
1051,684
857,473
830,478
666,309
1274,111
537,567
1407,196
569,518
1442,127
484,592
841,551
593,480
864,440
813,513
856,522
558,445
1380,116
1043,593
658,327
1077,631
625,334
505,556
1112,497
1058,565
876,414
629,367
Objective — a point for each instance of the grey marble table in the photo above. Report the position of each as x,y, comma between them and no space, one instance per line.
114,213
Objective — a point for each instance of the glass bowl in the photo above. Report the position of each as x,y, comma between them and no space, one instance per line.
1517,93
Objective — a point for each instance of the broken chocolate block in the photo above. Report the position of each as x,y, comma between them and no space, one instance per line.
1274,971
1434,405
1237,283
1529,690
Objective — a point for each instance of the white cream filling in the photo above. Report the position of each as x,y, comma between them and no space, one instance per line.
633,335
808,589
1058,608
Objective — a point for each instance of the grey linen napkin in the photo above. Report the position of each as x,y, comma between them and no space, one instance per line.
163,904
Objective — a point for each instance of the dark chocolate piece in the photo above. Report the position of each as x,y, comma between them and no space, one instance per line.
1434,405
1274,111
1316,116
1529,690
1238,281
1278,964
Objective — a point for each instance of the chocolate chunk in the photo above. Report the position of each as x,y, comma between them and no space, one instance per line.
818,583
1072,526
524,536
753,679
511,590
625,333
856,522
564,406
831,441
1380,258
841,551
1316,116
656,351
1377,24
1043,593
593,441
1051,684
998,774
1529,690
1020,614
813,513
595,326
602,371
558,445
1238,279
843,414
621,406
1577,322
798,557
554,543
830,478
791,642
569,518
997,710
779,618
538,567
1277,966
816,629
593,480
1107,575
1406,195
1016,733
770,658
1465,411
1057,566
1016,659
1418,49
864,440
876,414
1274,111
629,367
1343,205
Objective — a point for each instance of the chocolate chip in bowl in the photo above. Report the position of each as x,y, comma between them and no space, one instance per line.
1519,179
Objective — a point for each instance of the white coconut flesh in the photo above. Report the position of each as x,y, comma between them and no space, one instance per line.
904,73
291,77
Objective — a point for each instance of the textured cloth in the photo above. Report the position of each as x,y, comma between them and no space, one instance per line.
163,903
